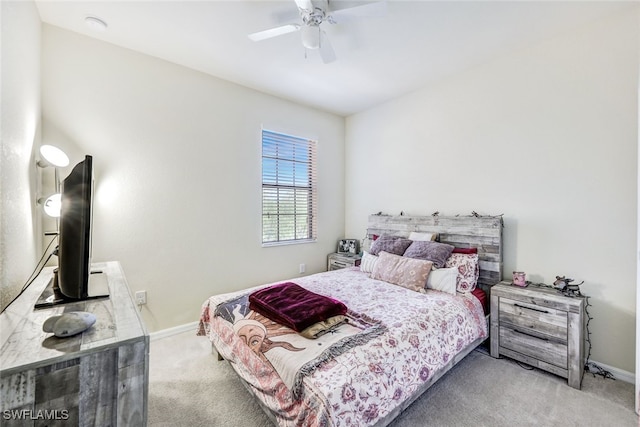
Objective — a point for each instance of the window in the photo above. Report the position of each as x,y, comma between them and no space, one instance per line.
289,202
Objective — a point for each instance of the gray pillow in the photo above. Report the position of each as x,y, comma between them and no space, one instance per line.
435,252
392,244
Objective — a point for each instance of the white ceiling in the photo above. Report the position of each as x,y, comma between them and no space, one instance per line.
378,59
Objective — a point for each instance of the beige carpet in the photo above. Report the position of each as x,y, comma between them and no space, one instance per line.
189,387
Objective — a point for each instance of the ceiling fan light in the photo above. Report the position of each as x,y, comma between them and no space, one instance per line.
311,36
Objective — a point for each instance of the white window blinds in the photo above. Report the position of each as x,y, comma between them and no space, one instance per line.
289,201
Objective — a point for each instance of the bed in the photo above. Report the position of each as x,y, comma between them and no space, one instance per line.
397,341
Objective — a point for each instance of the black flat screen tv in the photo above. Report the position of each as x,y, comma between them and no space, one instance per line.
70,282
74,239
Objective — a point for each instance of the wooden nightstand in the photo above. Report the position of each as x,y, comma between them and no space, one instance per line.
336,261
540,327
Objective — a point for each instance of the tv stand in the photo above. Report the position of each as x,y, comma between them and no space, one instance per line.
96,378
52,296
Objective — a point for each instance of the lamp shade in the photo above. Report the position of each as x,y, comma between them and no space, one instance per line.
54,156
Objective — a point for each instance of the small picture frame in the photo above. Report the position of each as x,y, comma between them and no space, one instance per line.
348,246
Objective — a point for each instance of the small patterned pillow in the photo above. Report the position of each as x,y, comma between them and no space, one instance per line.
368,262
406,272
468,270
431,251
391,244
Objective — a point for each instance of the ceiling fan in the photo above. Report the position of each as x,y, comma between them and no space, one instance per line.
315,12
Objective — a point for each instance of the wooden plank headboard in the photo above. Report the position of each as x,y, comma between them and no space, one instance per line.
482,232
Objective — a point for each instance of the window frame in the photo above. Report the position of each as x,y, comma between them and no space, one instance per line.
290,185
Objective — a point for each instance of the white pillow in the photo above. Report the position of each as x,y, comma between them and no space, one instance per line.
368,262
443,279
422,237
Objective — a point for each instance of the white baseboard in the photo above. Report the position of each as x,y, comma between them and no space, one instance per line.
618,374
164,333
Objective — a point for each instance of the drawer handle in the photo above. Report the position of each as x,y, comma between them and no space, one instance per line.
531,308
529,335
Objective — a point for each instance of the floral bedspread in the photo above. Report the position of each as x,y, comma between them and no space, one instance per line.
366,383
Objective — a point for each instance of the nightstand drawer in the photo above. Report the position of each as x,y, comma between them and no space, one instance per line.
337,265
533,319
543,349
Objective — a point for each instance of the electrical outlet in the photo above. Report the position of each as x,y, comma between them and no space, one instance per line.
141,297
302,268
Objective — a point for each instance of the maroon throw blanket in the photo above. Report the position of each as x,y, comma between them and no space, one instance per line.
293,306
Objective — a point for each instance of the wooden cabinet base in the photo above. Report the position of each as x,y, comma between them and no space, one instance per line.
96,378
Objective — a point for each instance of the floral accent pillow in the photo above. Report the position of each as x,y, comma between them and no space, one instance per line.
468,270
431,251
368,262
391,244
406,272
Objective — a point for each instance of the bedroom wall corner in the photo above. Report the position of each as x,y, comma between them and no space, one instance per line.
20,227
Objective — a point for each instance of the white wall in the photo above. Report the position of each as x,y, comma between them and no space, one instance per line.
637,396
20,138
546,136
178,162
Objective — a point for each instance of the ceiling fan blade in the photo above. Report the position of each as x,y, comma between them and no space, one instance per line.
304,5
326,50
274,32
374,9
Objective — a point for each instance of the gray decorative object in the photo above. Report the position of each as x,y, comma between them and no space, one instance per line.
69,324
564,285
